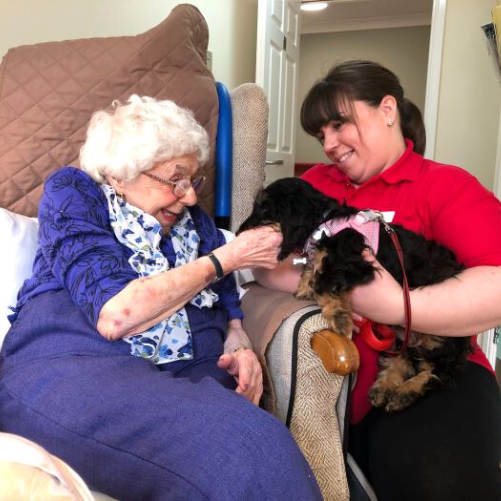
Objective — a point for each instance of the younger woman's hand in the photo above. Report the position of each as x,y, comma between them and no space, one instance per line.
357,320
381,300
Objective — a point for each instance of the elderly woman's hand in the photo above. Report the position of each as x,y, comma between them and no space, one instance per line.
241,362
255,248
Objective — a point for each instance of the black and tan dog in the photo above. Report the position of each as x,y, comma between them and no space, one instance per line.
335,265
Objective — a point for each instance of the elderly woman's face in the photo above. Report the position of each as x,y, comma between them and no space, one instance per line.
157,198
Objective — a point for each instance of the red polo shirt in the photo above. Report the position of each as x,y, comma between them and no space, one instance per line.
441,202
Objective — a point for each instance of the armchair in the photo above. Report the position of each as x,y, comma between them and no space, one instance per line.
47,94
301,388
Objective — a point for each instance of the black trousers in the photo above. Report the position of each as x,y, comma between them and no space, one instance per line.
447,446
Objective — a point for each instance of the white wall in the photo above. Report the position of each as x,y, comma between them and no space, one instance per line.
403,50
470,92
232,26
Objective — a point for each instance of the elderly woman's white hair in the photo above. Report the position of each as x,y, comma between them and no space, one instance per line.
136,136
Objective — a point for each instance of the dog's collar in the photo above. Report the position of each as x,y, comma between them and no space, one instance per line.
365,222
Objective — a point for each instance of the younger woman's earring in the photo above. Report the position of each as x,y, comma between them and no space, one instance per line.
390,122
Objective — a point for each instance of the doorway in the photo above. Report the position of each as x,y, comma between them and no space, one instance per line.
395,34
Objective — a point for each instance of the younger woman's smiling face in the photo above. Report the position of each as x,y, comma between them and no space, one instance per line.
364,145
156,198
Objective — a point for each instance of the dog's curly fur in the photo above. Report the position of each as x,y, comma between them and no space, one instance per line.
338,266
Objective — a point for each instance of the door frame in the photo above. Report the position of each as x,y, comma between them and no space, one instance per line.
279,25
433,76
487,339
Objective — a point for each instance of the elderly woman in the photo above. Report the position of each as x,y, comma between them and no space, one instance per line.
126,356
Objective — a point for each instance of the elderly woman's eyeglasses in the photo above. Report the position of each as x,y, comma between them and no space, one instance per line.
181,186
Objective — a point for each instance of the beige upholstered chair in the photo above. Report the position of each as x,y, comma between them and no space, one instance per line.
45,104
299,390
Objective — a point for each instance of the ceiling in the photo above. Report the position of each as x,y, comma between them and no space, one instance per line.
351,15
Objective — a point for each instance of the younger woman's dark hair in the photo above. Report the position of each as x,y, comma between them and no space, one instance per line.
360,81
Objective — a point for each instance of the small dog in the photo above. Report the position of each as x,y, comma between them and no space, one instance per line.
336,265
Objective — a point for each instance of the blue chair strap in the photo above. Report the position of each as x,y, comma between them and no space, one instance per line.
224,159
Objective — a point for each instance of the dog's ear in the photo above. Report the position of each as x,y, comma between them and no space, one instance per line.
344,266
259,215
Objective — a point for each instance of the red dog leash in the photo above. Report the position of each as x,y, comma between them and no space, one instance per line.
386,335
405,288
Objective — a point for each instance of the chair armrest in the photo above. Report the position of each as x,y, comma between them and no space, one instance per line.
267,309
298,389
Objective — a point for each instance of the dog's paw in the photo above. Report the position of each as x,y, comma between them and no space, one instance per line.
305,294
305,286
390,400
378,397
410,390
400,401
343,322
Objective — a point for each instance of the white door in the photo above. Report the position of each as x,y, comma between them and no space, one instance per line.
277,62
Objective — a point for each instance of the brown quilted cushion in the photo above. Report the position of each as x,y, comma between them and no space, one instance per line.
48,92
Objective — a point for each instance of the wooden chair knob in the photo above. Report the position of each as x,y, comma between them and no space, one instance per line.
339,354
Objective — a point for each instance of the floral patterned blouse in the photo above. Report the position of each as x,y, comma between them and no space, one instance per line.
78,250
